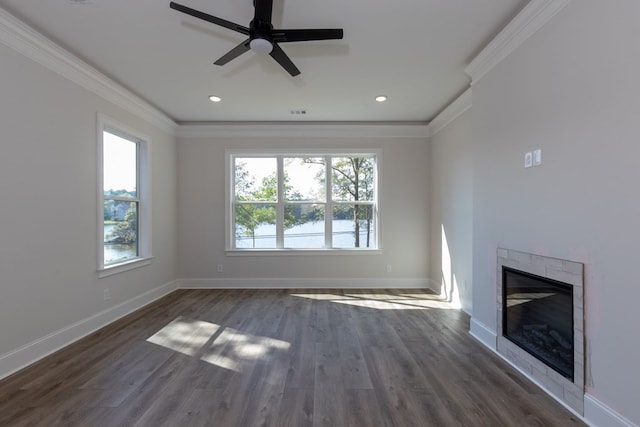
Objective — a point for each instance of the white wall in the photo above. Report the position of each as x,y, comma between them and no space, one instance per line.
405,234
571,90
48,211
451,209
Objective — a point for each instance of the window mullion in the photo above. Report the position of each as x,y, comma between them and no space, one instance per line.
328,210
121,198
280,205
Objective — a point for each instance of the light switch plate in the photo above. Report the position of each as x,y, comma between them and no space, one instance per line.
528,159
537,157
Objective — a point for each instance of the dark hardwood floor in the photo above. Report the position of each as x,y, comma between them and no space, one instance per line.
280,358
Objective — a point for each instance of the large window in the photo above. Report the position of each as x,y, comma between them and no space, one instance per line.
303,201
123,192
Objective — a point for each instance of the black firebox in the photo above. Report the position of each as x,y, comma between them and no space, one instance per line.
538,317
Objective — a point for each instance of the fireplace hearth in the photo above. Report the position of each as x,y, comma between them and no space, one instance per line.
540,321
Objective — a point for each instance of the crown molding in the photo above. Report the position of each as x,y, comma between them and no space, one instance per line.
530,19
303,130
22,38
451,112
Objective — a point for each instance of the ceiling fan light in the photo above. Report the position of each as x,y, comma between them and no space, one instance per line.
261,46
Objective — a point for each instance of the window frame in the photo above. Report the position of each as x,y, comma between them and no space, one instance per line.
280,203
143,196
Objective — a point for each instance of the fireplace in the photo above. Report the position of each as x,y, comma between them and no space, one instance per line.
538,317
540,321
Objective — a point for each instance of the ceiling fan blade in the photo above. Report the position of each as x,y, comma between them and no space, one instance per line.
209,18
234,53
263,10
283,36
281,58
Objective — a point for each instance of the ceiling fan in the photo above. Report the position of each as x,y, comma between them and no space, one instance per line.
263,38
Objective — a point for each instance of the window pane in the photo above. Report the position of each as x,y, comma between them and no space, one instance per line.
119,166
256,179
120,231
353,178
353,226
304,178
255,226
304,226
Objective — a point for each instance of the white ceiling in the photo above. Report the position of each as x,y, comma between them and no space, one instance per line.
413,51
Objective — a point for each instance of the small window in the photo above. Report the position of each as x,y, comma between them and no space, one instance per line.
303,202
123,217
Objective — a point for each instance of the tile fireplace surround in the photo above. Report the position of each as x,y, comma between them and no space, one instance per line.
570,393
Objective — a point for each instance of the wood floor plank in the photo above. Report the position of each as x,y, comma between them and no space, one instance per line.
383,357
296,408
364,409
299,330
355,374
395,367
198,409
145,395
329,406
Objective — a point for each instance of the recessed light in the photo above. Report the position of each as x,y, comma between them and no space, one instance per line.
381,98
214,98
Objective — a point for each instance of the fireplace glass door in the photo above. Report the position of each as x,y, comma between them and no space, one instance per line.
538,317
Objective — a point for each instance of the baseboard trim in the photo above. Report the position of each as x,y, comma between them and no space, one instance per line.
598,414
483,334
24,356
303,283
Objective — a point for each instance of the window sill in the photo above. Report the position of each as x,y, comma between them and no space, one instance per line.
304,252
122,267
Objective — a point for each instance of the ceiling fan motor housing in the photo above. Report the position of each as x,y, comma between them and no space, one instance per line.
260,40
260,30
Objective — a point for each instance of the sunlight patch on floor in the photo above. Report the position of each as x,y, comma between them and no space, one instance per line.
323,297
233,349
186,336
381,305
404,301
227,348
422,296
377,297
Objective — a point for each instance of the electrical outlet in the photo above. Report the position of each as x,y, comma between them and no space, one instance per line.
388,268
528,159
107,294
220,268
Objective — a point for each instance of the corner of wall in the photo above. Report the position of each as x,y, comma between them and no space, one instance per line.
483,334
530,19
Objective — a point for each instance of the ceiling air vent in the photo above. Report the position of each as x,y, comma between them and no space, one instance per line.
80,1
